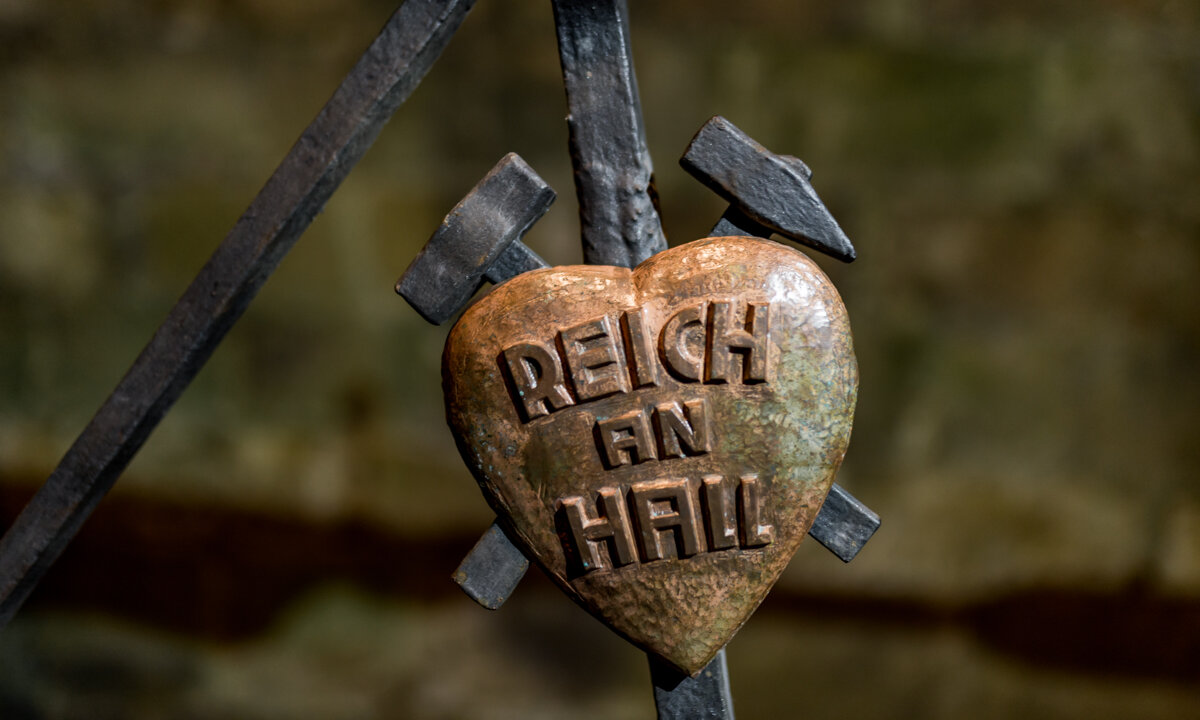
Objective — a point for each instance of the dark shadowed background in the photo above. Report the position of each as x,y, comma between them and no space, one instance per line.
1021,180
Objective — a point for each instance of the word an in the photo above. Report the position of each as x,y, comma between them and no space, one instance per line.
627,439
657,519
701,342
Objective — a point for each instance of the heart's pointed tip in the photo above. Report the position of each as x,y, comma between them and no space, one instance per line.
687,660
686,667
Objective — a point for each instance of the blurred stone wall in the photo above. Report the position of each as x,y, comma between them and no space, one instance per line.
1021,180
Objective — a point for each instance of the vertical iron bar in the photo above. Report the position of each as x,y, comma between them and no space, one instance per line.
704,697
619,223
613,174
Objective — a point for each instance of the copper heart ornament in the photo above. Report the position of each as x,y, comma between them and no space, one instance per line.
658,440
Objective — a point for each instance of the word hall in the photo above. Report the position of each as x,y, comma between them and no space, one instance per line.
659,519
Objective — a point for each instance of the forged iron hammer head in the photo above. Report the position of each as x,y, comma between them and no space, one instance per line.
772,190
478,240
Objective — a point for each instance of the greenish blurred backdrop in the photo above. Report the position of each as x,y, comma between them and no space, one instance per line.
1021,180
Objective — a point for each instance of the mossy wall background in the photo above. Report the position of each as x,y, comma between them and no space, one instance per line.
1021,180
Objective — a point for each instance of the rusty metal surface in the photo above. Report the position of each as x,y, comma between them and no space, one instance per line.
727,396
843,525
765,190
478,233
613,172
493,251
328,149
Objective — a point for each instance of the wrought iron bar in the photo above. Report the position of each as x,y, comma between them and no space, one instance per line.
703,697
614,177
346,126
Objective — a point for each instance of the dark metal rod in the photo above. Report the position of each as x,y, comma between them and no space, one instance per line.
844,524
613,173
703,697
380,82
477,574
619,223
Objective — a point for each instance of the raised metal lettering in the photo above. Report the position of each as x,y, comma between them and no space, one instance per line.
755,533
679,435
665,507
726,338
639,348
719,511
626,439
537,380
682,343
595,365
590,530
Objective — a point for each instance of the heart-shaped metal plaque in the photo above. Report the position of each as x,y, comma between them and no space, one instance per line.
659,440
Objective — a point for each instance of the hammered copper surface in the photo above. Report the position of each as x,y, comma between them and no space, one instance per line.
659,440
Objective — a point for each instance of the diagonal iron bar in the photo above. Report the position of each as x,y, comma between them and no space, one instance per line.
613,173
380,82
